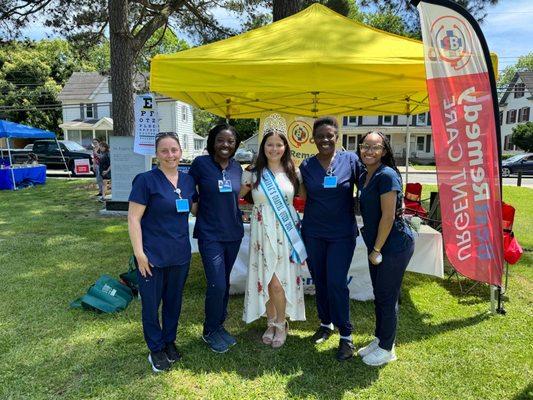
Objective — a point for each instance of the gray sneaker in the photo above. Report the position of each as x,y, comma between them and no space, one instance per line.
215,342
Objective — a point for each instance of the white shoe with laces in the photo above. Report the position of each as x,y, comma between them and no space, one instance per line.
369,348
379,357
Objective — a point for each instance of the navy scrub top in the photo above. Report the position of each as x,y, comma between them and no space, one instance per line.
384,180
219,217
165,232
329,213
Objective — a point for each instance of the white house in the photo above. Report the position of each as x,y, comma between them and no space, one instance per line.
515,106
86,104
395,128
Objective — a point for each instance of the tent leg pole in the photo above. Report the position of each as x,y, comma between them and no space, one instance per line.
11,164
500,309
63,157
407,149
492,299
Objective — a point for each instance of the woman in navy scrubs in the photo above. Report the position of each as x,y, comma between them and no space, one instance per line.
218,228
389,241
329,231
159,205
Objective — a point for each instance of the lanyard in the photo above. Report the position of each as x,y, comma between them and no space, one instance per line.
329,170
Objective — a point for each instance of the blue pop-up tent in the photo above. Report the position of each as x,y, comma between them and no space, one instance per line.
11,130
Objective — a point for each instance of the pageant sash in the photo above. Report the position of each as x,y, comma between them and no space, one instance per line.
284,215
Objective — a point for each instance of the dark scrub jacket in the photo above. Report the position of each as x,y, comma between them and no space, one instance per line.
384,180
219,218
165,232
329,212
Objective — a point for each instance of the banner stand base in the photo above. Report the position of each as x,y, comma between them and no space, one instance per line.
496,300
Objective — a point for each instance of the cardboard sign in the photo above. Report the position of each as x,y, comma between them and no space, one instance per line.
82,167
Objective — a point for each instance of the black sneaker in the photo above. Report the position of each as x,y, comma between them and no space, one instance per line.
345,350
172,352
322,334
159,361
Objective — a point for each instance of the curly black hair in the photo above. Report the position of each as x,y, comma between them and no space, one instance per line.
214,131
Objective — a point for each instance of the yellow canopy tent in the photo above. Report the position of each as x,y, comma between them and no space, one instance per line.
313,63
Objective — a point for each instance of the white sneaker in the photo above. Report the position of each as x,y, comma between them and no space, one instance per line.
379,357
369,348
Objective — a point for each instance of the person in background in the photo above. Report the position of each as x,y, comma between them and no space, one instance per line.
218,228
388,238
104,168
274,283
159,206
96,166
329,231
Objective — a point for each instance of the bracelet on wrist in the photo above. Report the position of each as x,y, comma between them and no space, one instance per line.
376,250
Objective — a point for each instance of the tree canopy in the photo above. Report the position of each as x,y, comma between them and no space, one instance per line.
524,63
523,136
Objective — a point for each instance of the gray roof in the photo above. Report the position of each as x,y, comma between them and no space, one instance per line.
81,85
526,77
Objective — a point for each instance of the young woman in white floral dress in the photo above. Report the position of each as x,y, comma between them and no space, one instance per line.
274,284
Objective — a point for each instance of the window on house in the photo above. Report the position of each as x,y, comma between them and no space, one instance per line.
74,135
86,139
352,143
523,114
519,90
185,140
506,142
198,144
89,111
352,120
420,143
184,113
387,120
501,117
421,119
511,117
428,143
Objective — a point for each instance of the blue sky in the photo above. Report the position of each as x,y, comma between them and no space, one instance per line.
508,29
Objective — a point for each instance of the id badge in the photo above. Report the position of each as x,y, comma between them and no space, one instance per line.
182,205
224,186
330,182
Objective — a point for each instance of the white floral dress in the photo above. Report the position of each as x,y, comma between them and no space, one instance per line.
270,254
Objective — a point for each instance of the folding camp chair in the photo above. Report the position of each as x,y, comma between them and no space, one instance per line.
413,202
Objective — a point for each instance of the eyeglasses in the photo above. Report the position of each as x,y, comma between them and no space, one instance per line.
374,147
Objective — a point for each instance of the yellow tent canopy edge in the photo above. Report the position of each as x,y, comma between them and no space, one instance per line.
313,63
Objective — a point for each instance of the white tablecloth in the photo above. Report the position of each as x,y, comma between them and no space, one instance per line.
427,259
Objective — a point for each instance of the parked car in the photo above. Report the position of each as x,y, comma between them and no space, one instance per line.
244,156
48,154
519,163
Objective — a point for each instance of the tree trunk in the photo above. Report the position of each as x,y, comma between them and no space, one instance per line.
122,68
284,8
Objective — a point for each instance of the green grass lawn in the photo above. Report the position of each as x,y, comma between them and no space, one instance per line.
423,167
54,244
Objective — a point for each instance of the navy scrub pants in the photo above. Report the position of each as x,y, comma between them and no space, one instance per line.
166,285
329,262
386,281
218,259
